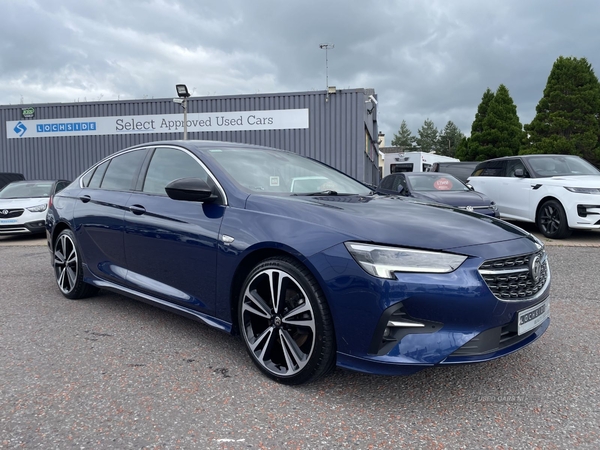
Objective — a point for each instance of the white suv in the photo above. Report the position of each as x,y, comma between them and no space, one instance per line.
556,192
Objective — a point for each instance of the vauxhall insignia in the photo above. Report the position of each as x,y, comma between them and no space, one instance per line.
4,212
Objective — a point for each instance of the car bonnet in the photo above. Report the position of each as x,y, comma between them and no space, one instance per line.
391,220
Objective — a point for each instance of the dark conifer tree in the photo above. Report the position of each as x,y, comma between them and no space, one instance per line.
566,120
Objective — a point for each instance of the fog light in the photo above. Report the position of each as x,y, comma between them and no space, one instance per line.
386,332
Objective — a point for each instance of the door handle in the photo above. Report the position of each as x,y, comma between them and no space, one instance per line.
85,198
138,210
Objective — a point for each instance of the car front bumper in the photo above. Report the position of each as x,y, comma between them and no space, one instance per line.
433,319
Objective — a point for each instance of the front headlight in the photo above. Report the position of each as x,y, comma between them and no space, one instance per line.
582,190
38,208
382,262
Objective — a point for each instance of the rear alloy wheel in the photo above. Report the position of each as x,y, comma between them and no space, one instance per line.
67,268
552,220
285,322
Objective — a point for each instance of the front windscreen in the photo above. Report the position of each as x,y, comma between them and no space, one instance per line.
558,165
26,190
271,171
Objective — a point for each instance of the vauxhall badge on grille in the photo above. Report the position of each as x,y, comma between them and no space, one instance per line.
536,268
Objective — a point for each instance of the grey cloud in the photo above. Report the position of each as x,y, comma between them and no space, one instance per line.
424,59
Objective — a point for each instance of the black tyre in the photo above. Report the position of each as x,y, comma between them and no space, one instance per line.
285,322
552,220
67,267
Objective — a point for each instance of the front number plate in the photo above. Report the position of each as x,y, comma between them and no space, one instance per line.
534,316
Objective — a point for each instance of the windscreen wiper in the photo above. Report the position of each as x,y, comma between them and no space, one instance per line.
319,193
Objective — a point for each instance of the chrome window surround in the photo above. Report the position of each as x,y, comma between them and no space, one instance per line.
150,147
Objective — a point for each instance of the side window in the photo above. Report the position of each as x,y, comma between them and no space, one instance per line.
97,176
123,170
514,164
60,186
86,179
494,169
169,164
399,181
388,182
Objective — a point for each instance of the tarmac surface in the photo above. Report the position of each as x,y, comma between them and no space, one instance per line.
112,373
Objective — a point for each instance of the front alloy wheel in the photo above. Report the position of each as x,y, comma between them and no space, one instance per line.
552,220
285,322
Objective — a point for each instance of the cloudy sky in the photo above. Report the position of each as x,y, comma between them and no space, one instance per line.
425,59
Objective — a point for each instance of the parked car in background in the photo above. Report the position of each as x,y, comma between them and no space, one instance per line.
24,204
461,170
558,193
229,235
440,188
9,177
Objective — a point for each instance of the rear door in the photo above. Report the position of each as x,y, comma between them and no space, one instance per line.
100,211
488,179
171,245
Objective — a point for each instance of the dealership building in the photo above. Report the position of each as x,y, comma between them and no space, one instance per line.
61,140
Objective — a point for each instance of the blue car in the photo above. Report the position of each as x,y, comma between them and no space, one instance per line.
309,266
440,188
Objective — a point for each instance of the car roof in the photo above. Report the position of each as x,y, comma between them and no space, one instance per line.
36,181
201,144
537,155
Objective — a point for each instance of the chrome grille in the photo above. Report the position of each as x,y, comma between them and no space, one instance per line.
10,213
513,278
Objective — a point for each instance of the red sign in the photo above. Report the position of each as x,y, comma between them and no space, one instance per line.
442,184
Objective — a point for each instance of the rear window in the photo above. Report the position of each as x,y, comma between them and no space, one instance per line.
9,177
123,171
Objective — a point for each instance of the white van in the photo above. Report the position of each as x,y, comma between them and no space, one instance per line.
412,162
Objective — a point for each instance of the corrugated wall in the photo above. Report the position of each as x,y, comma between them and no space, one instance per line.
341,132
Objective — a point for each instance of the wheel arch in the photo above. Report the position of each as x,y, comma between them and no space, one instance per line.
544,200
58,228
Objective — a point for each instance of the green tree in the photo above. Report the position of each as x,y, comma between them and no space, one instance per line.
502,129
428,137
566,120
448,139
496,131
468,149
404,138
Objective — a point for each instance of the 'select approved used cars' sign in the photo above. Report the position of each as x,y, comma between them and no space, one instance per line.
162,123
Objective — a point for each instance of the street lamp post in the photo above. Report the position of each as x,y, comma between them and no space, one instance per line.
326,47
182,92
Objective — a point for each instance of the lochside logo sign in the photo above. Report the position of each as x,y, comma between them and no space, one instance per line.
168,123
20,129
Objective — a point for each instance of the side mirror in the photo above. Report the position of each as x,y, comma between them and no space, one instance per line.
519,173
400,189
191,190
470,187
